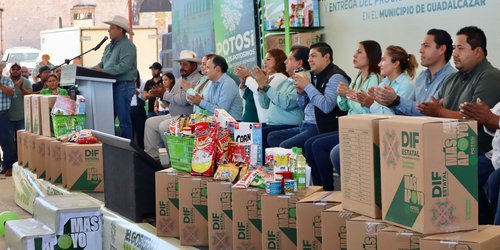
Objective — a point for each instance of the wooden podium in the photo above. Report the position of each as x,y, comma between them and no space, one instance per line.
97,88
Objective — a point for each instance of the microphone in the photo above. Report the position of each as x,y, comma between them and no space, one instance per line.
100,43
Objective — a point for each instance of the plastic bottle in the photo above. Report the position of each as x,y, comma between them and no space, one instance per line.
292,161
300,172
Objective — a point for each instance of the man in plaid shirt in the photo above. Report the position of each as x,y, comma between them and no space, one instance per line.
6,138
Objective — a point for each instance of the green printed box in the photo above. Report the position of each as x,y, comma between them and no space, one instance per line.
429,174
193,209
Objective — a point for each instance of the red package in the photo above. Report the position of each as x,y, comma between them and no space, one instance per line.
203,162
222,151
243,153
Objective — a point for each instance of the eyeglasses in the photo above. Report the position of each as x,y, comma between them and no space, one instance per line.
15,69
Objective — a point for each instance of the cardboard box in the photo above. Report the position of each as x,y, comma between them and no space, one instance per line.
333,227
32,152
40,145
220,215
48,157
309,218
486,237
277,41
360,161
26,149
247,219
27,113
46,104
362,232
429,174
54,171
83,167
19,138
279,220
223,118
167,202
393,237
36,114
193,220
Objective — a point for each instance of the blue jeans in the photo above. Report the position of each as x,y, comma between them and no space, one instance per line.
494,194
14,127
484,170
292,137
122,96
7,141
335,158
317,151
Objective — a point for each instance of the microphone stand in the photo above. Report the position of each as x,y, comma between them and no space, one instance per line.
73,90
67,61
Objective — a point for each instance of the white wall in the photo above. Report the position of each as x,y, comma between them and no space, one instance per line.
361,20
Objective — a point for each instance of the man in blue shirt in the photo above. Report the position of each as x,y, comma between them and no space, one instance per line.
223,93
435,54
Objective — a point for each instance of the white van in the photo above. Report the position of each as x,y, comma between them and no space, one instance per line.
26,56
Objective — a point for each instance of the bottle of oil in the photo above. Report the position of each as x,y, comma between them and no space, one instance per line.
300,172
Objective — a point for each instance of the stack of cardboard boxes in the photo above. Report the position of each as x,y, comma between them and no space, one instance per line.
75,166
405,181
418,174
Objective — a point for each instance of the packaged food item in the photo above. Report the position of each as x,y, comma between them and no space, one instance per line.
203,161
273,187
223,140
243,153
64,106
247,179
243,170
290,187
226,172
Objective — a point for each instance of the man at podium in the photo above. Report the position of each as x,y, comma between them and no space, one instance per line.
120,59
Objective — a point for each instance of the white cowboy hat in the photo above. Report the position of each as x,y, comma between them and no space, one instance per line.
188,55
121,22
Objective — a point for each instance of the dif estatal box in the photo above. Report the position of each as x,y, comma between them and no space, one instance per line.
393,237
193,209
309,218
247,218
362,233
46,104
279,219
360,161
333,227
82,167
220,215
429,174
28,125
485,238
167,202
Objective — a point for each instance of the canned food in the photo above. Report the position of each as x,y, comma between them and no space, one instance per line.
273,187
290,187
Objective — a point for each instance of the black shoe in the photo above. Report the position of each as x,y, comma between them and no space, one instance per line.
3,171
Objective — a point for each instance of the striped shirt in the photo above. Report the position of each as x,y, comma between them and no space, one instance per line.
325,102
4,98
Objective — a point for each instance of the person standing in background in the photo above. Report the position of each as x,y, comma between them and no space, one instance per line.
45,62
120,59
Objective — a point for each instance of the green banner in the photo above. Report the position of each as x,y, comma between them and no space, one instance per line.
234,26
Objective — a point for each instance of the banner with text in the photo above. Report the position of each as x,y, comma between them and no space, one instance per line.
234,25
404,23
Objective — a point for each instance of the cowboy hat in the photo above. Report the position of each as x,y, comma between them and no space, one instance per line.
121,22
188,55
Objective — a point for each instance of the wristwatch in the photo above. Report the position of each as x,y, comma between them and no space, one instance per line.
395,102
266,88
